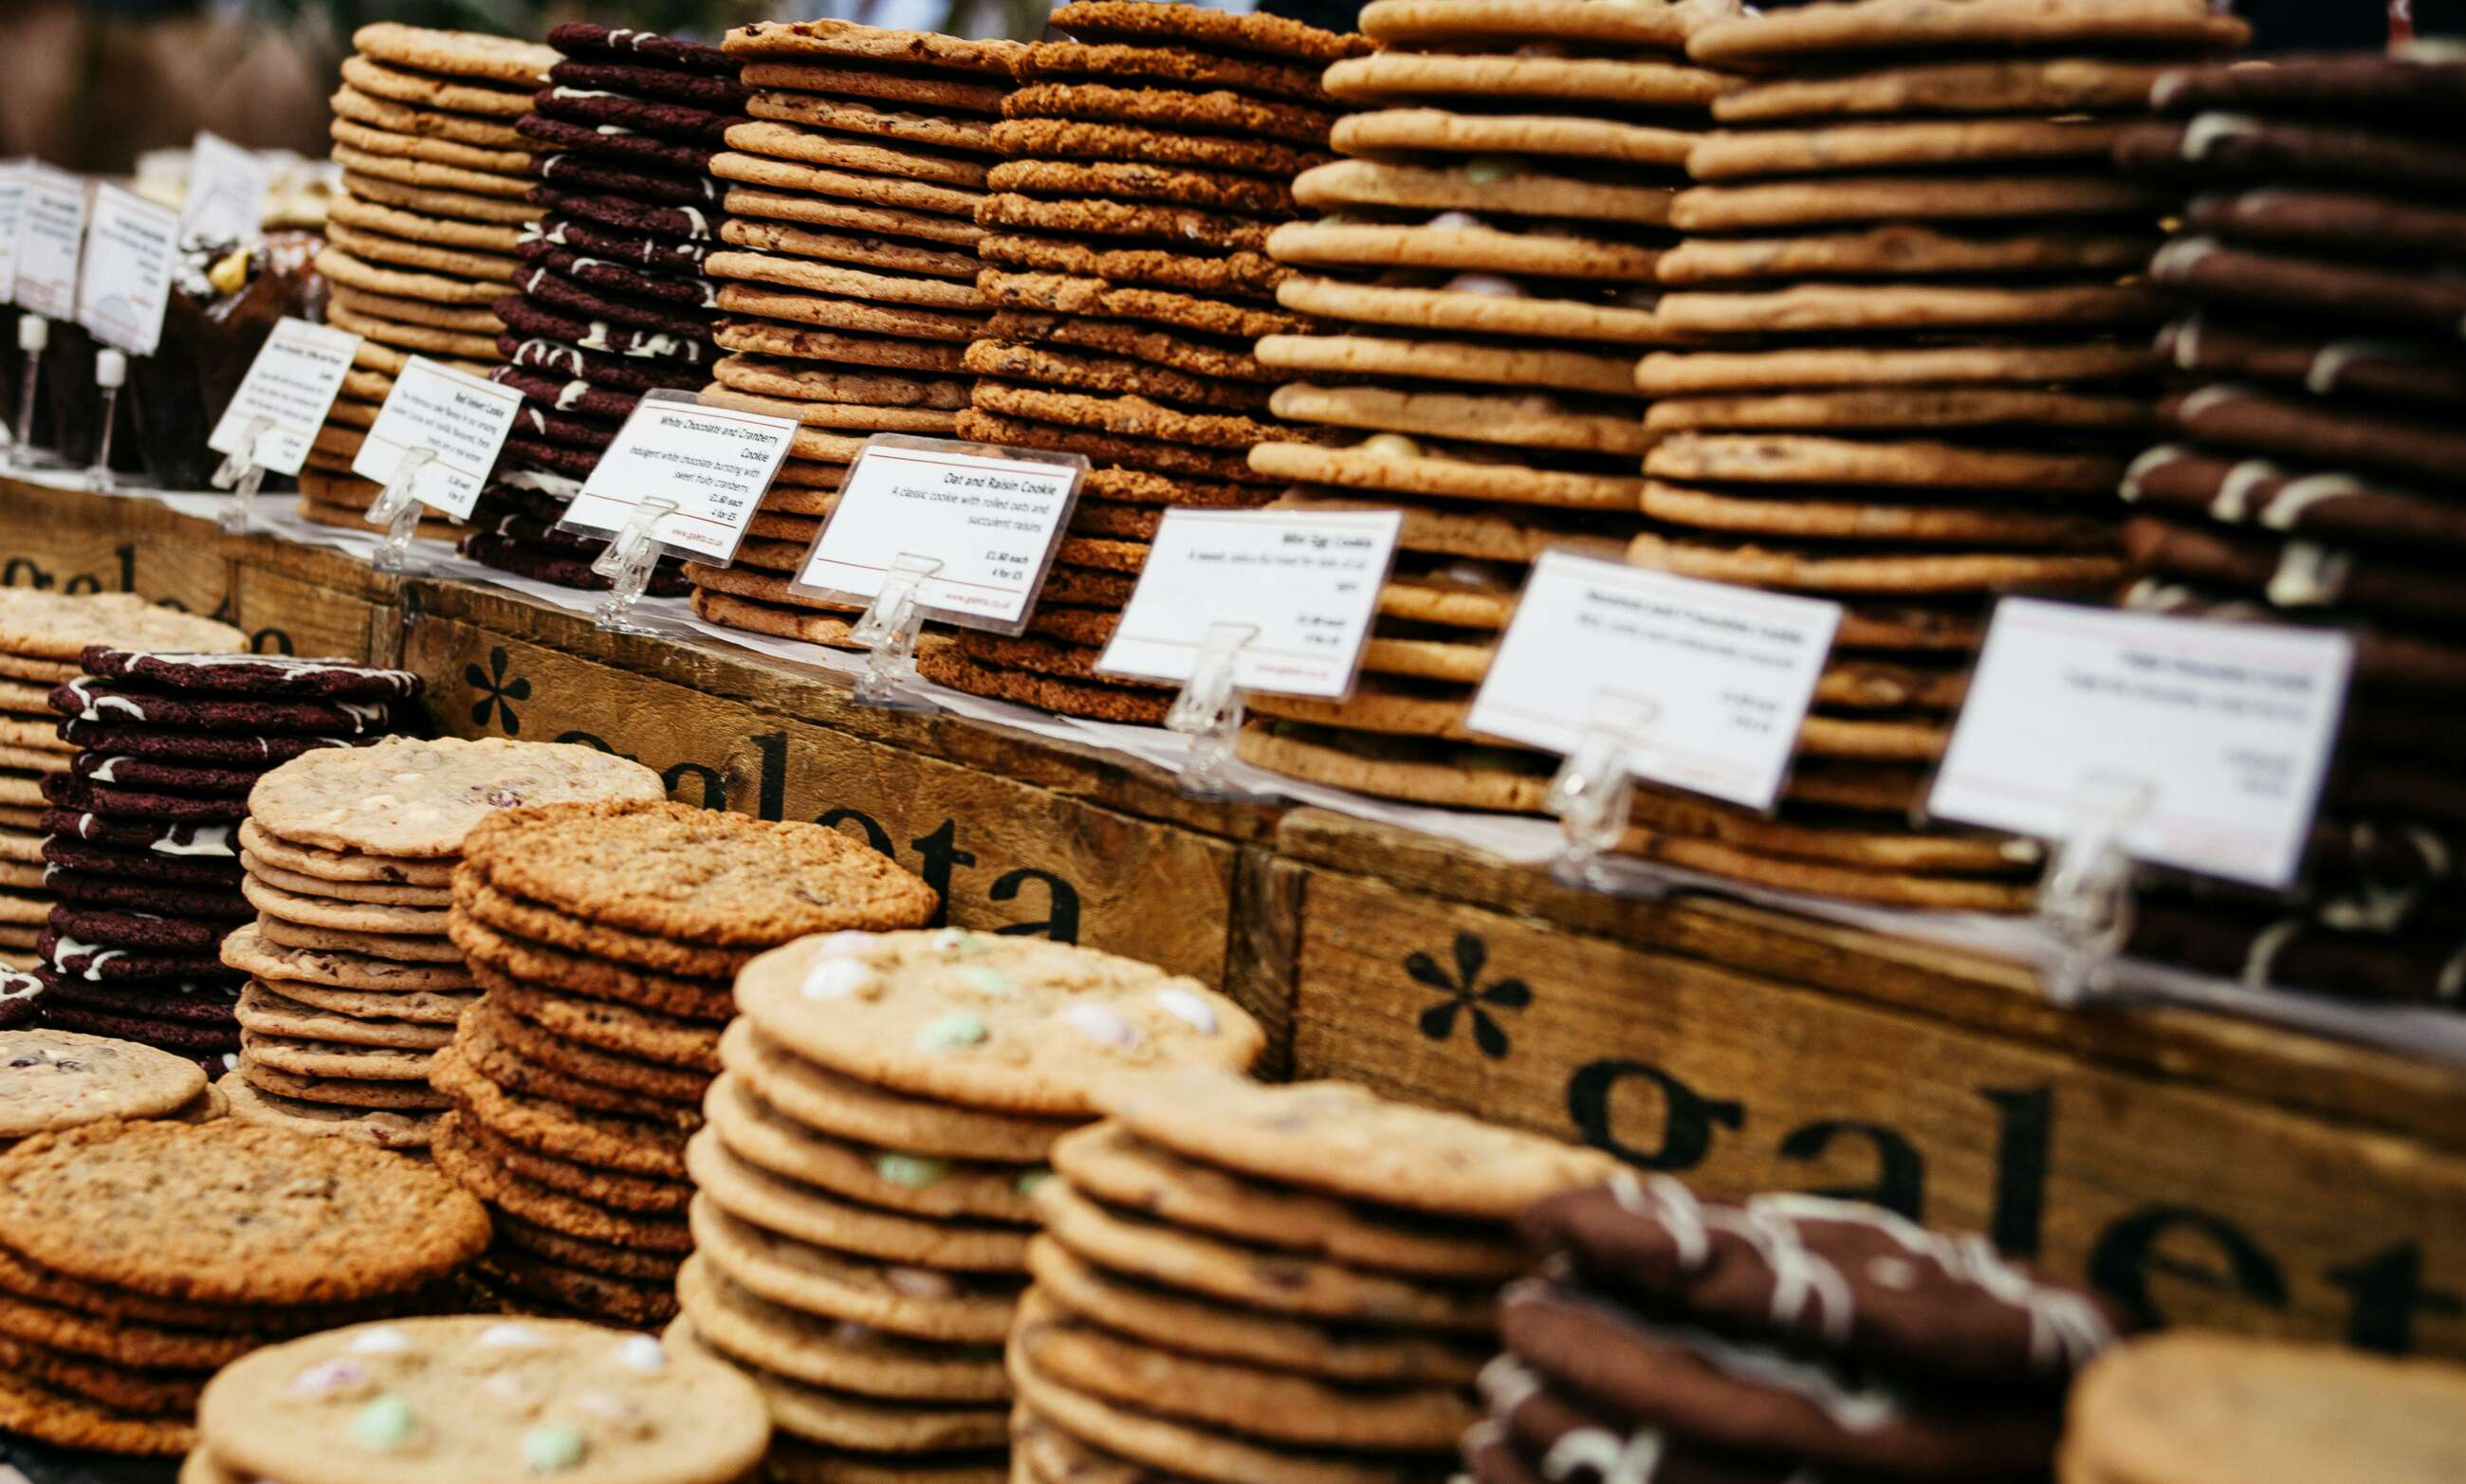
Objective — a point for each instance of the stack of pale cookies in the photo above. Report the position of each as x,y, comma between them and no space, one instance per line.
605,937
353,984
1487,265
608,302
865,1179
421,238
1925,365
848,273
136,1257
1147,158
43,637
1239,1281
2314,470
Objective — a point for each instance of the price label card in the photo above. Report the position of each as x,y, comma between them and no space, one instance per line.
711,462
1306,582
12,214
991,519
226,187
290,387
2224,729
51,236
127,281
460,418
1710,682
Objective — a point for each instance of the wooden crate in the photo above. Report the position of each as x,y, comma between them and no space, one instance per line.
2203,1168
67,542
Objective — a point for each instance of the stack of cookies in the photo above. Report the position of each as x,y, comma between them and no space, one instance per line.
60,1079
848,271
1487,265
610,301
1146,161
2183,1407
421,238
1816,1338
43,637
141,833
135,1257
862,1220
1926,366
605,937
1239,1281
352,984
458,1401
2317,472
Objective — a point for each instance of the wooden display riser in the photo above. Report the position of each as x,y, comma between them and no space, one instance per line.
2204,1169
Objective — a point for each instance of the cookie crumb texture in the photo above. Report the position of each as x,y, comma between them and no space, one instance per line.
419,798
1013,1024
456,1401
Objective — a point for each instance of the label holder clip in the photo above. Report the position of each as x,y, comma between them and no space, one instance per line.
2085,898
631,557
397,510
1208,711
888,632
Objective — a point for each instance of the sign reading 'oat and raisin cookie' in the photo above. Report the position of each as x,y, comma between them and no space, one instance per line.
2208,741
711,463
1305,584
51,236
986,521
125,285
460,419
1707,683
283,400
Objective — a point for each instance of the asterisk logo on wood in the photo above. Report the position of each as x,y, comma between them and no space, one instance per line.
1468,996
497,694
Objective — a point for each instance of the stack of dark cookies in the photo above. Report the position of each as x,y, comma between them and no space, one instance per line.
2318,472
1790,1338
421,238
1146,160
604,937
1486,262
136,1257
142,828
608,302
847,274
1926,366
864,1201
43,638
1239,1281
353,984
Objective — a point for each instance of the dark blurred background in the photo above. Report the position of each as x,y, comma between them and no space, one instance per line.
90,83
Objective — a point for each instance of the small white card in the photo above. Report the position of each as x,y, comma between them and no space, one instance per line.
227,189
2224,730
713,462
126,283
1711,682
51,236
291,385
13,213
461,418
1306,582
991,523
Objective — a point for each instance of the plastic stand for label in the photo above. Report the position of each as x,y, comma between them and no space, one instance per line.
1208,711
628,564
397,509
241,474
110,374
33,338
888,633
1593,795
2086,899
